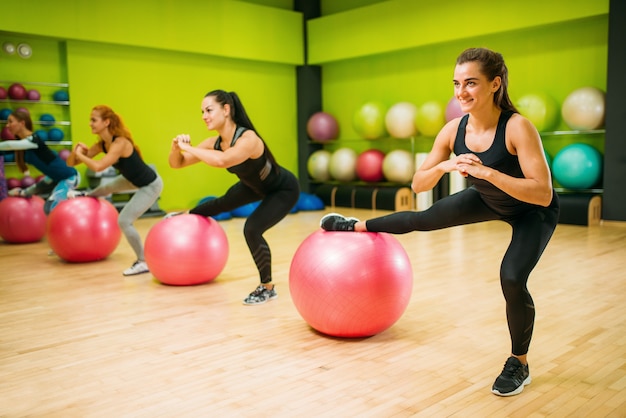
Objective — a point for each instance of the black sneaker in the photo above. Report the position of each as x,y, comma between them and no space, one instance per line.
513,378
337,222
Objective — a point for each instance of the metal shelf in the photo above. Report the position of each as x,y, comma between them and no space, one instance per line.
37,83
50,102
574,132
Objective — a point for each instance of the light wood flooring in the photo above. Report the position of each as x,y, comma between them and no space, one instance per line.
81,340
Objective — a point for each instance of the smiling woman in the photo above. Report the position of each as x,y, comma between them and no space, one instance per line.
500,153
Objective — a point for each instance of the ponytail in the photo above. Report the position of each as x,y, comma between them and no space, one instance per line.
239,115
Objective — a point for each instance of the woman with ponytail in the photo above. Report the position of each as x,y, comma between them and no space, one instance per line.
116,143
239,149
500,153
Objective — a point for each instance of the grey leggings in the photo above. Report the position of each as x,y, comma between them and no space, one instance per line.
143,198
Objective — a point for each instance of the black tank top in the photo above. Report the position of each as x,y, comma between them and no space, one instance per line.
499,158
47,161
257,173
134,169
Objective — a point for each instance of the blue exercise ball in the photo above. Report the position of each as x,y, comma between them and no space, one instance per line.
42,134
308,201
4,113
47,119
245,210
577,166
61,96
55,134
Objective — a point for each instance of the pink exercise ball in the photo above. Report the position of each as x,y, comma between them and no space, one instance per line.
322,126
83,229
3,93
6,134
430,118
186,250
369,120
369,165
27,181
64,153
22,219
453,109
33,95
541,109
584,108
13,182
17,91
400,120
347,284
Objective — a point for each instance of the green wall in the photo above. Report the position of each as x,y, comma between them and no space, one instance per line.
153,65
158,93
152,61
226,28
554,59
405,50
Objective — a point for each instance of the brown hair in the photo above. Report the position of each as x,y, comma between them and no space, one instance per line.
22,116
491,66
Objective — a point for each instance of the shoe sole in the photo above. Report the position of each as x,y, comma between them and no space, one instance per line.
516,391
259,303
134,274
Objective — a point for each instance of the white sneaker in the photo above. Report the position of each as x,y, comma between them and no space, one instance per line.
172,214
17,192
139,267
71,194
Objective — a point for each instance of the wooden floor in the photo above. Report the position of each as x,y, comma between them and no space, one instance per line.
81,340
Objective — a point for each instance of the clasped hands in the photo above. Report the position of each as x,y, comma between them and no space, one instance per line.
81,148
182,141
466,164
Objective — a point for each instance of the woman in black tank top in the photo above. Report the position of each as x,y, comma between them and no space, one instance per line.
239,149
120,152
501,155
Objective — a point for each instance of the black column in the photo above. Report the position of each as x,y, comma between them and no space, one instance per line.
309,92
614,198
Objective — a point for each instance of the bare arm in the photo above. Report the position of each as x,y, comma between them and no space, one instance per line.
82,154
249,145
17,144
179,158
536,185
439,162
81,147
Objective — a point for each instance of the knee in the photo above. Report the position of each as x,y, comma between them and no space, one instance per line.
512,287
251,232
124,223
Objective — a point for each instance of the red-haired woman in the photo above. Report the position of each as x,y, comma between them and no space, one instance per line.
116,143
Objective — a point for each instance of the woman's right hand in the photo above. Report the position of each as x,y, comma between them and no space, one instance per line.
81,147
461,163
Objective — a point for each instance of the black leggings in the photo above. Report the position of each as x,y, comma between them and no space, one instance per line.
531,232
274,206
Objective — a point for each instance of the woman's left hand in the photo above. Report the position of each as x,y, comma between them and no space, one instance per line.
468,164
183,141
